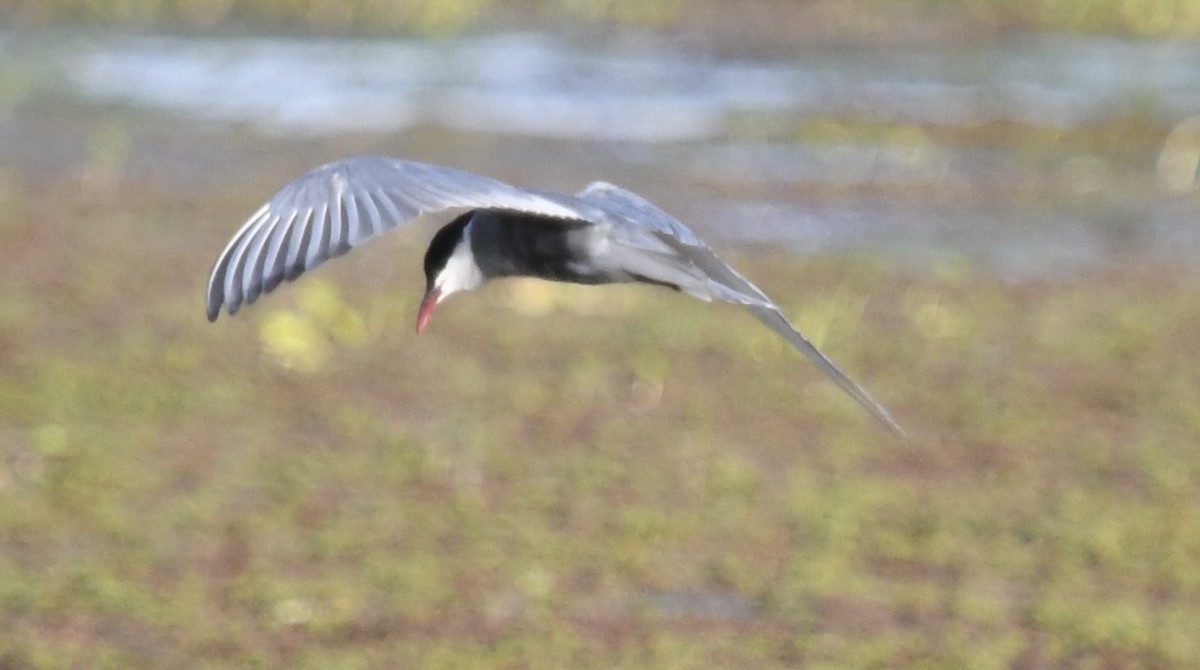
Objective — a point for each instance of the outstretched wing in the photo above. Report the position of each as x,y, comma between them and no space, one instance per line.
692,257
337,206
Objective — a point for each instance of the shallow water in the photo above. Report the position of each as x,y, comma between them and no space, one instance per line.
641,91
726,142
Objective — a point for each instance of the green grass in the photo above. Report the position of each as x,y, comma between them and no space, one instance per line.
572,477
1178,19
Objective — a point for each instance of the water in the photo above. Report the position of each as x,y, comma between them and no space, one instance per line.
728,132
531,84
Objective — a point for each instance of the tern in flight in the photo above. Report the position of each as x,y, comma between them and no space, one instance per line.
489,229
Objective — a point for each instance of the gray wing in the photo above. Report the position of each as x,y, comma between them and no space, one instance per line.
650,229
337,206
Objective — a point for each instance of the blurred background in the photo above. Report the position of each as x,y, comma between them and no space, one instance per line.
985,211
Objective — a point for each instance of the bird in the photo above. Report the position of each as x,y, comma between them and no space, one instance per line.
488,230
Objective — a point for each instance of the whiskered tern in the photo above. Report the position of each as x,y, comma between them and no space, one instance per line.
602,235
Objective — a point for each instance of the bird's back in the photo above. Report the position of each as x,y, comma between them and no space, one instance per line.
512,244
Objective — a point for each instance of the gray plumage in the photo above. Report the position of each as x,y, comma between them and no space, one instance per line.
604,234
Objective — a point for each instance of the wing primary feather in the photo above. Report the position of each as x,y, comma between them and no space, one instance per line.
350,226
251,260
252,277
276,263
350,221
216,279
770,315
279,265
237,260
298,243
371,222
273,254
393,208
318,236
341,225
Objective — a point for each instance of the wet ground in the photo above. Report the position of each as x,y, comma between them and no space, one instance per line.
581,477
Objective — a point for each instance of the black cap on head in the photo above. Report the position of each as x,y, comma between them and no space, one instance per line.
442,245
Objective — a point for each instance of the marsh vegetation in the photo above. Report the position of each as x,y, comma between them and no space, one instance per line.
582,477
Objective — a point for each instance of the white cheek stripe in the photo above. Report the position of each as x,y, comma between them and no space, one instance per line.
461,273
